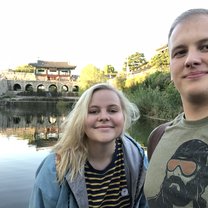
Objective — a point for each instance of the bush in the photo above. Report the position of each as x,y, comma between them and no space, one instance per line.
156,97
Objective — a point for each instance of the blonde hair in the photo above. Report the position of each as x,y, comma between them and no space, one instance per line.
72,146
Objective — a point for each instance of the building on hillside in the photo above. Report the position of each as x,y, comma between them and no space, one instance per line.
162,49
48,70
48,77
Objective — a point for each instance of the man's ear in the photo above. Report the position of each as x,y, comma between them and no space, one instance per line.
171,78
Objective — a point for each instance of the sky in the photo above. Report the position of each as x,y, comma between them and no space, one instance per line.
83,32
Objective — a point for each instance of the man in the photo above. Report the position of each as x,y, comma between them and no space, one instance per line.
180,161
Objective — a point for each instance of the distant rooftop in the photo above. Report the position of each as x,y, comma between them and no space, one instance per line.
162,48
52,64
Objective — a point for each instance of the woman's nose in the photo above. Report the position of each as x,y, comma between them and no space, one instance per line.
103,116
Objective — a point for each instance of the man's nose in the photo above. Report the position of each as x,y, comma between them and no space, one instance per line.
193,59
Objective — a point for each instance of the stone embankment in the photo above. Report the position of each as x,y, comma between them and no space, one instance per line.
29,99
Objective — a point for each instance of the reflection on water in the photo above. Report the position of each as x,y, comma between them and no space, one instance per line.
18,163
142,128
27,133
39,124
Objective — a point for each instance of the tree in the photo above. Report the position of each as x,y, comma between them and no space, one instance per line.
89,76
120,80
161,60
25,68
135,62
109,71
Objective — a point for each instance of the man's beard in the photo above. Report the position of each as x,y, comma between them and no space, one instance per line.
176,192
198,99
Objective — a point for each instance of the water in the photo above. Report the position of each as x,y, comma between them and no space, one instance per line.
26,136
18,162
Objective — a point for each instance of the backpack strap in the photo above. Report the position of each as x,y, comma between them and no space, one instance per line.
155,137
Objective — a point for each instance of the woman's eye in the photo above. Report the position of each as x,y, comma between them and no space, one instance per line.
93,111
113,110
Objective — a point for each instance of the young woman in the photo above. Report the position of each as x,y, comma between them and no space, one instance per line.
95,163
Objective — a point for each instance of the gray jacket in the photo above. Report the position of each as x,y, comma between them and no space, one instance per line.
47,193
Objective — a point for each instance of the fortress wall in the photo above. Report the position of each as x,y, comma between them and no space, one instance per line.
3,86
17,75
9,78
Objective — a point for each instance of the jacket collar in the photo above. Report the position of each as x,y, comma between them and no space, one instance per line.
78,187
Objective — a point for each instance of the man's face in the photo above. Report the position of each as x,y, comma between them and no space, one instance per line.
188,47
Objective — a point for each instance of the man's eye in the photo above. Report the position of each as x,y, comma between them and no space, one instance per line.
179,53
204,48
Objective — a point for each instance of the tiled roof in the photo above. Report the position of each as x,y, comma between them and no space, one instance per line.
52,64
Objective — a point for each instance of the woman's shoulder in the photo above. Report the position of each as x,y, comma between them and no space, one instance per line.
132,147
46,188
130,142
47,167
134,151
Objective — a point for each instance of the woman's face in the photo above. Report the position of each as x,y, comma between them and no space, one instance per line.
105,119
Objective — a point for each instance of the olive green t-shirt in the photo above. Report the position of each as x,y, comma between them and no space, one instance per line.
177,175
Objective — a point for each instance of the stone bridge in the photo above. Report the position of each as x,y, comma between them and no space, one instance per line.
35,86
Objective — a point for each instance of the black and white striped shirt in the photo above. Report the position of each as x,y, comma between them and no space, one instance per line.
108,188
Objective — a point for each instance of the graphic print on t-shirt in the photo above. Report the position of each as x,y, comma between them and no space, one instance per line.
186,178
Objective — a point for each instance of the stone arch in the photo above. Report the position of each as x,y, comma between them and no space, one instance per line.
40,119
52,88
52,119
16,120
28,119
64,88
75,88
41,88
29,88
17,87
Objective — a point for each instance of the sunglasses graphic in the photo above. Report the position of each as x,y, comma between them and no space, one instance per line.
187,167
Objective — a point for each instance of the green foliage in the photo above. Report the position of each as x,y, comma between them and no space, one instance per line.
157,80
120,80
161,60
146,126
156,97
173,98
25,68
134,62
89,76
109,71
